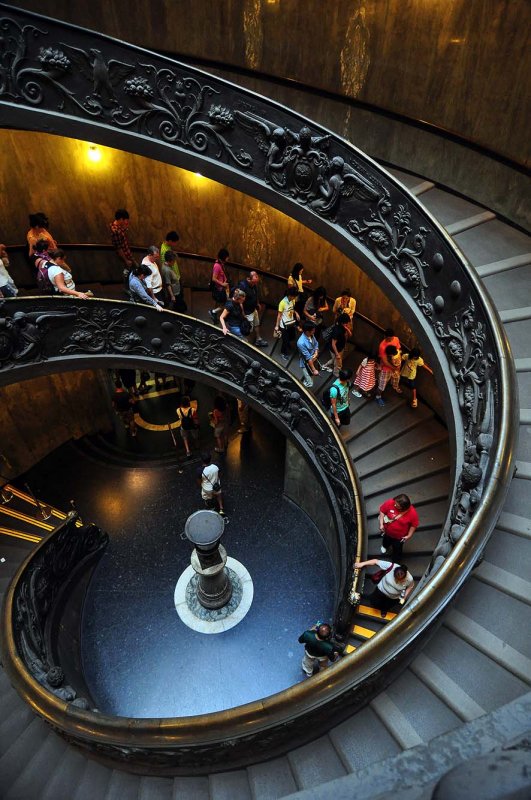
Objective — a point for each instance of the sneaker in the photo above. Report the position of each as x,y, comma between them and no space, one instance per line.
380,401
383,549
356,394
188,455
261,343
326,369
414,403
284,357
213,316
221,513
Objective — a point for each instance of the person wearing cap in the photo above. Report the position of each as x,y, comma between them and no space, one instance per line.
309,350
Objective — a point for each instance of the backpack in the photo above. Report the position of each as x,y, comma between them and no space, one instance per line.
44,284
325,399
187,419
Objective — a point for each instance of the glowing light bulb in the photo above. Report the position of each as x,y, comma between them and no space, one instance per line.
94,153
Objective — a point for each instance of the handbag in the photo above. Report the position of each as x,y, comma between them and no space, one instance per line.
377,576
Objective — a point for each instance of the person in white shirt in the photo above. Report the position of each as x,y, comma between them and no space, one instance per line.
344,304
208,480
61,278
394,586
153,281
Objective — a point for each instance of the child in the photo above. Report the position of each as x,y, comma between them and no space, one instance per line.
410,363
365,379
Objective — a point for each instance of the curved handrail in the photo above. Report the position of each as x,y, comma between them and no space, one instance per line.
161,108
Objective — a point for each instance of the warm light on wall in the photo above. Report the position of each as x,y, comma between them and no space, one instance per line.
94,153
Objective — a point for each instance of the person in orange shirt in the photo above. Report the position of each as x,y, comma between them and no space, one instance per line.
38,230
390,364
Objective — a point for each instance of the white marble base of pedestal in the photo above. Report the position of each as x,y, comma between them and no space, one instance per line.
222,619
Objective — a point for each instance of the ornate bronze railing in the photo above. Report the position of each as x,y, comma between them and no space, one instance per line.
69,81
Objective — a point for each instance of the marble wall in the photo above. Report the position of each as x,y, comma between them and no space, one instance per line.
80,198
461,65
38,415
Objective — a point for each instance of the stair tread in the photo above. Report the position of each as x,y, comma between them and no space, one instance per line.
66,775
93,782
271,780
426,490
392,427
229,785
363,740
432,447
153,787
39,767
15,757
316,763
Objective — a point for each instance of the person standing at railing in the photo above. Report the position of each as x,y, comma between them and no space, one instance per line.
344,304
308,348
39,230
314,308
394,583
138,289
251,304
60,277
7,284
154,280
410,363
169,245
219,284
296,280
120,241
287,319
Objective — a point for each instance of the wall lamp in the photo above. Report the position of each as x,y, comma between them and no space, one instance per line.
94,153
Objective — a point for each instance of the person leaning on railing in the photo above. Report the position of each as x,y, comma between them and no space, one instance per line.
60,276
137,286
395,583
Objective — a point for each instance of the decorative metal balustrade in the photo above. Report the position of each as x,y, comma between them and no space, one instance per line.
73,82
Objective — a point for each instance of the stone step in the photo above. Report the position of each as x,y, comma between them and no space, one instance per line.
64,780
229,785
39,767
272,779
388,429
316,763
426,438
408,471
470,222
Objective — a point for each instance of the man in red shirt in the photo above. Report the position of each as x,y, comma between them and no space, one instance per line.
398,522
119,239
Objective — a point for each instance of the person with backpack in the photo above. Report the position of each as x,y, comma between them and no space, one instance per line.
189,424
60,276
338,398
336,337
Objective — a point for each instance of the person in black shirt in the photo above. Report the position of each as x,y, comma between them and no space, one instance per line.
232,315
339,334
251,307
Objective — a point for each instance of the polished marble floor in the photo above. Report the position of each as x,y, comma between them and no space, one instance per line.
140,659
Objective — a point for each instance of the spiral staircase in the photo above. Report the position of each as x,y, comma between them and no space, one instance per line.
474,671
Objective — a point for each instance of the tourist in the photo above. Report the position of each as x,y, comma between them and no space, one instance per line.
154,280
219,284
7,284
169,245
410,363
365,378
39,231
208,480
287,319
344,304
395,583
390,363
171,287
398,521
296,280
60,277
232,317
314,308
308,350
189,424
339,400
318,649
336,337
251,306
137,286
123,404
120,240
220,421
